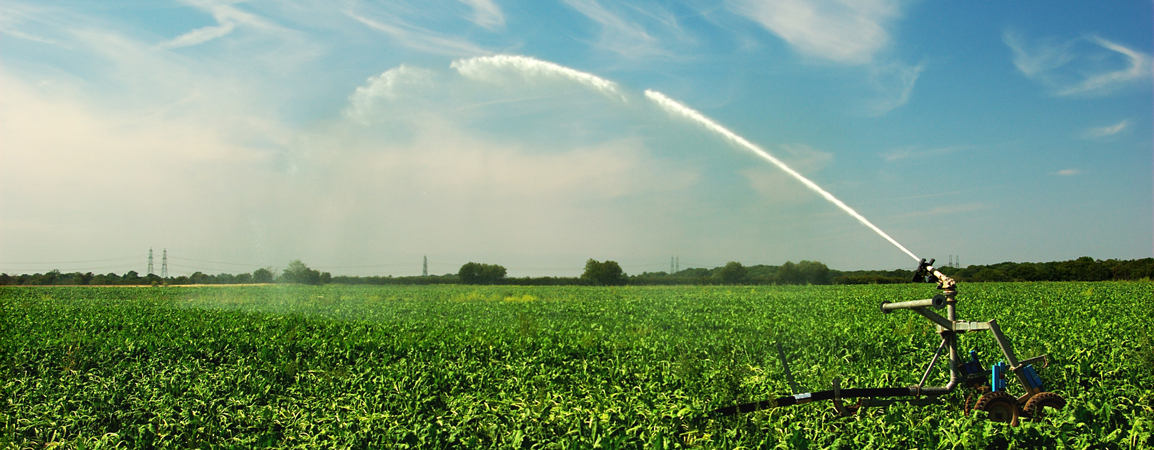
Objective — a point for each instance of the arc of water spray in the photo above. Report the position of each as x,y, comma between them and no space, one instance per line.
674,107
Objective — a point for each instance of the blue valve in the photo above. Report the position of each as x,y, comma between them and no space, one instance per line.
1032,377
973,366
998,376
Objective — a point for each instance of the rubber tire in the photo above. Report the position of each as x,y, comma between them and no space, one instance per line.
1000,406
1036,406
972,398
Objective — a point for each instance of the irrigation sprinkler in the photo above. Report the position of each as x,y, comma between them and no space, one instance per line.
988,388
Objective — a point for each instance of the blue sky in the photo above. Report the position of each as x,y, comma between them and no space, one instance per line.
361,136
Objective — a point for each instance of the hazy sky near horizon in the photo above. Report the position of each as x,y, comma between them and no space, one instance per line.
361,136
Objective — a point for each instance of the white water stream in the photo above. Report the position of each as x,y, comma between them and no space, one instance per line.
677,108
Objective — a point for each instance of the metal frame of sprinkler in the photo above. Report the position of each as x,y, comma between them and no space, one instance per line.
988,387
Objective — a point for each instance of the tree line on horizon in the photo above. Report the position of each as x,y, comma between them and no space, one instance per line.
609,273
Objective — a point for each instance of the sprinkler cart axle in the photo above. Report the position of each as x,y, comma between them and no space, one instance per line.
988,387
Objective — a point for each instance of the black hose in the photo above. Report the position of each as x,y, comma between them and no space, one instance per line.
811,396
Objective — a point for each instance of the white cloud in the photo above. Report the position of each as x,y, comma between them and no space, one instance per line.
841,31
1086,66
1106,131
847,32
486,14
1066,172
89,168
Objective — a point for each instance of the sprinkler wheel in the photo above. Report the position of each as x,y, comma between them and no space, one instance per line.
972,398
1036,406
1002,407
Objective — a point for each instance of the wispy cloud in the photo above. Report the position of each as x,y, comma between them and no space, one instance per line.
200,35
486,14
418,38
946,210
847,32
26,36
1106,131
617,33
1085,66
894,83
1066,172
916,152
228,18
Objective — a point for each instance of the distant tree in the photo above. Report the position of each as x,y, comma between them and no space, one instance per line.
45,279
199,278
732,273
243,278
693,272
326,278
262,275
477,273
812,272
298,272
988,274
1024,272
130,278
606,273
1087,269
788,274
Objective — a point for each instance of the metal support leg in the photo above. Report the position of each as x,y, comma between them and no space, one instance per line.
788,375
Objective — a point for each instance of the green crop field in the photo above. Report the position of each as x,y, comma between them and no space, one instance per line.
548,367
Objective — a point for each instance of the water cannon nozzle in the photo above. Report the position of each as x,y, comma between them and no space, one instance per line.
923,270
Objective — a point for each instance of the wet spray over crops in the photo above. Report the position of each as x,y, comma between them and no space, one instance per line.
674,107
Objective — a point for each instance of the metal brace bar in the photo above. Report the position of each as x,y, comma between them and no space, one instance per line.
935,317
933,361
1035,359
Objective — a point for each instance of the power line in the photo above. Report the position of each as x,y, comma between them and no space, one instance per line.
368,266
202,269
126,258
217,262
94,270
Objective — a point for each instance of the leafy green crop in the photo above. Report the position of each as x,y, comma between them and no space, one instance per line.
546,367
